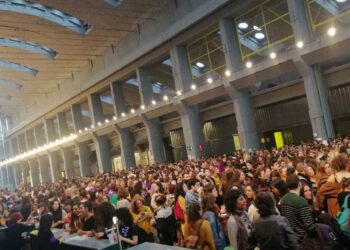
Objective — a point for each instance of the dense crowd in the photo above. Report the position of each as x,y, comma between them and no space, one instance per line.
295,197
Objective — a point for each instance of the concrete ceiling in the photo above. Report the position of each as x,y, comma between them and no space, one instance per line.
109,24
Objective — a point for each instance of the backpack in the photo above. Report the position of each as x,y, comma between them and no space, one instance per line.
343,218
325,218
192,241
324,239
179,212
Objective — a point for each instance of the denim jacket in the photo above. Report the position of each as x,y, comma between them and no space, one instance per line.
216,229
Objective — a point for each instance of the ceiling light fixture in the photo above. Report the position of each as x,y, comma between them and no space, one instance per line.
243,25
154,102
300,44
178,93
200,65
259,36
227,73
249,64
193,86
165,98
210,80
332,31
273,55
143,107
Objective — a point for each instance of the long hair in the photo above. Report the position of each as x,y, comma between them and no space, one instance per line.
44,228
179,190
194,213
123,214
104,215
208,203
265,204
230,200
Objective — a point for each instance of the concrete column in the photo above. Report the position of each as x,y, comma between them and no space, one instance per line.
49,130
154,134
316,94
14,146
127,147
44,169
30,139
5,180
191,121
300,20
39,135
78,120
54,166
118,98
244,109
18,174
145,85
96,108
181,69
34,172
22,145
103,153
11,177
153,130
192,127
84,158
63,129
315,87
68,162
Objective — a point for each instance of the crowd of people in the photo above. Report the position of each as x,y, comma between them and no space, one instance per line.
295,197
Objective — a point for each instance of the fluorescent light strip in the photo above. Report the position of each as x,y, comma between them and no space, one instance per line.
39,150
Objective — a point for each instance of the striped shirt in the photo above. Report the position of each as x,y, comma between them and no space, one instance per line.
297,211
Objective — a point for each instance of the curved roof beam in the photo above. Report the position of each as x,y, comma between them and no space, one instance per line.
10,84
32,47
50,14
4,96
115,3
18,67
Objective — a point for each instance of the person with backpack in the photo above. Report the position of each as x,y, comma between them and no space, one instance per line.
179,210
197,232
210,214
164,221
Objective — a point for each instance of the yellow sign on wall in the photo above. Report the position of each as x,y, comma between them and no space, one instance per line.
279,139
236,142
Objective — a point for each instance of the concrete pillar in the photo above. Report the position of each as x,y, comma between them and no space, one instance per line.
96,109
84,158
181,70
103,153
68,162
22,145
5,180
44,169
243,106
192,126
317,98
34,172
118,98
11,177
127,147
54,166
14,147
49,130
300,20
126,138
145,85
191,121
154,134
30,140
78,120
63,129
18,174
39,135
315,88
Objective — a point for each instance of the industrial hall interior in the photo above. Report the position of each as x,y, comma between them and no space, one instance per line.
88,87
174,124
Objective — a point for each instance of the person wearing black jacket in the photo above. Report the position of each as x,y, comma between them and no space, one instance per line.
279,235
15,229
45,237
